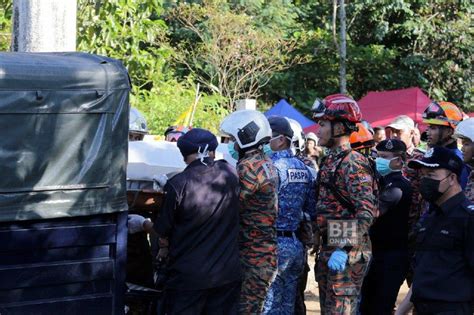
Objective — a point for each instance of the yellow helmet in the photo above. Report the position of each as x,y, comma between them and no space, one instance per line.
442,114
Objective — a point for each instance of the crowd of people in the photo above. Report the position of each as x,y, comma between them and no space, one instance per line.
374,206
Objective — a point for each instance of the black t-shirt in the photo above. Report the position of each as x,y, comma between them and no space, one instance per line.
200,216
390,230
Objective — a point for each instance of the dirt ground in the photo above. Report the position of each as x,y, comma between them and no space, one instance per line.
312,294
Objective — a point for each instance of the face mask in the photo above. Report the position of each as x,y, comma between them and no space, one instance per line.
234,154
429,188
267,150
383,166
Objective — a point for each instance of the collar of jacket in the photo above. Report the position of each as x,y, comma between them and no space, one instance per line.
282,154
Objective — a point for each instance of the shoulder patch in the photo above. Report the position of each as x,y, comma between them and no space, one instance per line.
298,175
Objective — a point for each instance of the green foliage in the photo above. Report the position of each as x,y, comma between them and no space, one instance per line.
5,24
391,44
132,31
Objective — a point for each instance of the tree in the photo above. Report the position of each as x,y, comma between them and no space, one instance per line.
227,52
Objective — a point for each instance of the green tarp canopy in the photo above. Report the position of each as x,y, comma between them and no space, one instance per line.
64,123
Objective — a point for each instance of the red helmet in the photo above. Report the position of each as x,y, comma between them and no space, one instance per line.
337,107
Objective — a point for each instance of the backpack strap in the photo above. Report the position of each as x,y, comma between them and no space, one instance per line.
344,201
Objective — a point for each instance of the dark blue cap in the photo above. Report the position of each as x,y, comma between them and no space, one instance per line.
196,140
440,157
391,145
280,125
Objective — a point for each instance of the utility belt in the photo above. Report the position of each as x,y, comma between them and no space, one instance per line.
286,234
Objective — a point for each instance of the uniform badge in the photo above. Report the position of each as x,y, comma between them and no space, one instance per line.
389,145
429,153
298,176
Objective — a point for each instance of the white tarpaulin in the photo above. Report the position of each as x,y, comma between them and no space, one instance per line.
148,159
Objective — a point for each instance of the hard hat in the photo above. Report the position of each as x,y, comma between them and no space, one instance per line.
465,130
362,138
337,107
248,127
442,114
298,134
137,122
312,136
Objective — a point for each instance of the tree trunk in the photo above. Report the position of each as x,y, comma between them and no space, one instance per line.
44,26
342,47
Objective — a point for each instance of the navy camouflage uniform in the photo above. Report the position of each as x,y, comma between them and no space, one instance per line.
295,195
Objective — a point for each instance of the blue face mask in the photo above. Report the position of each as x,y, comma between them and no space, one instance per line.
267,150
232,152
383,166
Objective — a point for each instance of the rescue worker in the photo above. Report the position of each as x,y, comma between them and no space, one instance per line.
345,209
442,118
295,196
200,219
139,256
249,131
389,233
465,132
137,128
362,141
173,133
444,259
312,150
306,229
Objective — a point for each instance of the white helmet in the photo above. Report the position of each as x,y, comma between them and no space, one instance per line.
312,136
137,122
298,134
465,129
248,127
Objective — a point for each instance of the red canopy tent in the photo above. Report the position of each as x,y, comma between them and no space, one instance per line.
380,108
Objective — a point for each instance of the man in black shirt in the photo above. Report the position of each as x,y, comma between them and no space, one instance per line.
444,261
389,233
200,219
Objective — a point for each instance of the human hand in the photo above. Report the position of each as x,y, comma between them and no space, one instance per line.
337,261
135,223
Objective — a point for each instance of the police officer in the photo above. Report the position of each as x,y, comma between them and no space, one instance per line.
295,194
200,219
345,209
249,131
444,259
389,234
465,132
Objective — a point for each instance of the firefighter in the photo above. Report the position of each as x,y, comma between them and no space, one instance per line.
346,207
249,132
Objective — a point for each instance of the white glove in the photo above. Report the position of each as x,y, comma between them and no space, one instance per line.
135,223
160,179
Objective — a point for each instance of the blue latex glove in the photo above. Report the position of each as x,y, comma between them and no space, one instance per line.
337,261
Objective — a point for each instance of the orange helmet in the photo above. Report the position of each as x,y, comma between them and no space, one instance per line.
442,114
362,138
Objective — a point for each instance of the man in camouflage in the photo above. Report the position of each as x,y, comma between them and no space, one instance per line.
249,132
295,196
345,196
